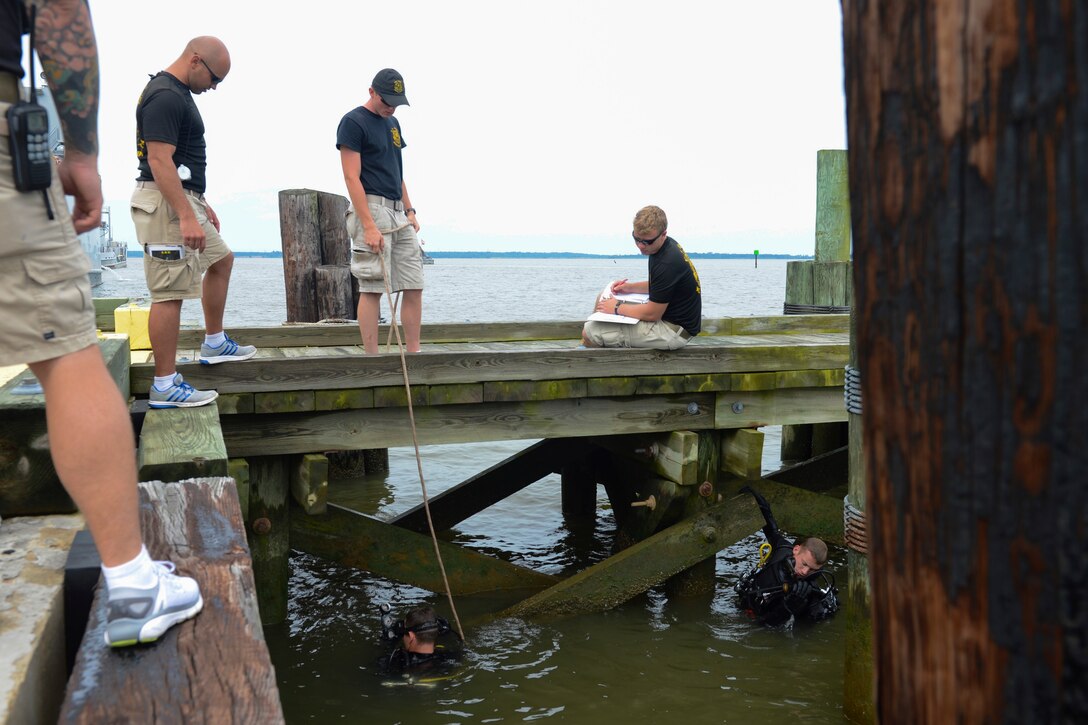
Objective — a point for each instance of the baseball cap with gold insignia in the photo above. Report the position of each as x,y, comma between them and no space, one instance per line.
389,84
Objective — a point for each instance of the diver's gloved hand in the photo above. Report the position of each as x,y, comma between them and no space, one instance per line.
801,589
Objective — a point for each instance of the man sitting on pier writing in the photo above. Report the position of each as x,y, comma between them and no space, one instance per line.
673,313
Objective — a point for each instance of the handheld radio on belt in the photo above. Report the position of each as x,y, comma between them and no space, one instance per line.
28,129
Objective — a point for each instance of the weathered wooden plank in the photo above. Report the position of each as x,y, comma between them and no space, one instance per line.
609,387
287,401
646,563
834,377
504,391
178,443
212,669
396,397
352,539
492,485
742,452
300,237
103,311
346,399
778,407
330,372
385,427
234,403
707,382
455,393
310,483
752,381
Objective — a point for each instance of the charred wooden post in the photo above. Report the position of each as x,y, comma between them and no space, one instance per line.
968,130
268,527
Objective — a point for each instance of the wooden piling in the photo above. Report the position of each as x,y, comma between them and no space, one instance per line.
332,287
300,239
268,527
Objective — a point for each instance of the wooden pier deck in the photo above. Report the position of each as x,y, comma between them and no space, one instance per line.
311,389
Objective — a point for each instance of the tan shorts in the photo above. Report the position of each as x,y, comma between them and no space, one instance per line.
157,223
659,335
45,297
403,255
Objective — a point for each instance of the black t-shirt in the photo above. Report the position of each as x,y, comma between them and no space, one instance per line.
674,281
13,25
166,112
378,141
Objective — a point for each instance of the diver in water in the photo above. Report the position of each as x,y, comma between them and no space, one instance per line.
419,653
788,582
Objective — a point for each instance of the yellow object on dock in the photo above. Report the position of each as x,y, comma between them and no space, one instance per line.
132,321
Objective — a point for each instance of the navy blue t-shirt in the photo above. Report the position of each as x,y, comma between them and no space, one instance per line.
166,112
13,23
674,281
378,141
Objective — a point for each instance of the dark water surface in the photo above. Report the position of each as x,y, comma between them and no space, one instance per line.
653,659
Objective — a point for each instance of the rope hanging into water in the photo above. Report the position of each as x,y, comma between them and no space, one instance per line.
851,390
854,528
789,308
394,327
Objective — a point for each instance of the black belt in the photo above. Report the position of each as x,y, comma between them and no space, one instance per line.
10,88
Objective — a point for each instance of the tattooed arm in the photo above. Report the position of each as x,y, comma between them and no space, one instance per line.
64,39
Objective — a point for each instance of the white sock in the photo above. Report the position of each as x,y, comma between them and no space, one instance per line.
138,573
165,382
215,340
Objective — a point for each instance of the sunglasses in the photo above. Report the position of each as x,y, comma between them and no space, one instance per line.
645,242
215,79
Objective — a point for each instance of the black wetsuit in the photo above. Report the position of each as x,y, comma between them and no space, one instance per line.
402,662
771,595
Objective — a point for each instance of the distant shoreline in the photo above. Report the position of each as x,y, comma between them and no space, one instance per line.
538,255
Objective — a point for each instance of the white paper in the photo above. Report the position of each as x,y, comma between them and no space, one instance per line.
633,297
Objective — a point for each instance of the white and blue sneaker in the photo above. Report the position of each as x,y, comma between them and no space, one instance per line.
143,615
229,351
179,395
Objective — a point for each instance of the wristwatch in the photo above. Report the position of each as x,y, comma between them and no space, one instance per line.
410,210
617,310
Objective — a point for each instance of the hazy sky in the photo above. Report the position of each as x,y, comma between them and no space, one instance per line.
533,127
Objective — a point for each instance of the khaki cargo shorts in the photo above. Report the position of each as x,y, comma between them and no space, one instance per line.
45,297
659,335
403,255
157,223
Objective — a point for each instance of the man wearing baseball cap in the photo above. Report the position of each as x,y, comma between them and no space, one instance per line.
381,219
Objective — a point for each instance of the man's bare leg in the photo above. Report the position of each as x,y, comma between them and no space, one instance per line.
411,316
162,329
214,296
95,462
369,306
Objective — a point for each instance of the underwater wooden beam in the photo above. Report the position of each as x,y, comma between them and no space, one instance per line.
179,443
800,512
353,539
488,487
268,526
646,563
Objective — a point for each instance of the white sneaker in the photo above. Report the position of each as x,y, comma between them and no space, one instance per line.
143,615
